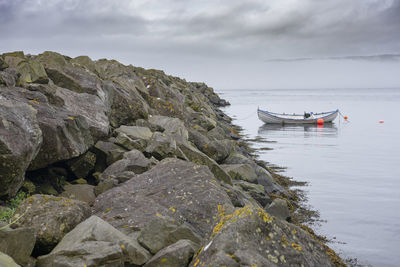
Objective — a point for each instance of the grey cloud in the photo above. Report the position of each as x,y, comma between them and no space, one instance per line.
383,57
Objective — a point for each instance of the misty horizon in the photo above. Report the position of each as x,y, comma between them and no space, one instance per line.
226,44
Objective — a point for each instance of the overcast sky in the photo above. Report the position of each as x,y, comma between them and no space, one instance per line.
226,43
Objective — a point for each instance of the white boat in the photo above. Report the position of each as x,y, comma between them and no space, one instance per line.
307,118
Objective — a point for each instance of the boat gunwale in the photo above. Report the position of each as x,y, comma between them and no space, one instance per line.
329,113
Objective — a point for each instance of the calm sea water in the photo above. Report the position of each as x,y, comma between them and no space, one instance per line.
353,168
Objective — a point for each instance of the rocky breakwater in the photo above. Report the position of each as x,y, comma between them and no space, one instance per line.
103,164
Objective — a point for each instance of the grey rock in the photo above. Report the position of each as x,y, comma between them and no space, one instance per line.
198,157
174,127
175,188
263,241
256,191
133,161
163,146
7,261
176,255
83,165
89,253
51,217
243,172
18,244
168,232
128,143
106,154
279,209
95,242
20,141
135,132
81,192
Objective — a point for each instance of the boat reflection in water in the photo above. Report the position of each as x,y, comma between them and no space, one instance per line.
309,130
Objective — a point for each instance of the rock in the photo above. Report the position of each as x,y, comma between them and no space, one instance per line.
79,181
81,192
94,108
243,172
168,232
3,64
18,244
20,141
7,261
128,143
65,134
237,158
263,241
179,189
256,191
174,127
270,185
133,161
279,209
8,77
135,132
51,217
94,242
200,119
198,157
105,185
90,253
84,61
163,146
176,255
32,71
106,154
83,165
218,150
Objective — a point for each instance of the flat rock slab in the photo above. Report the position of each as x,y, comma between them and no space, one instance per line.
179,189
51,217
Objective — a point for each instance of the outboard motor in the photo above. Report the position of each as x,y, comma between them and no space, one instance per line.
306,115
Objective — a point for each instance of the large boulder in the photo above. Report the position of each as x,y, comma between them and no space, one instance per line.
65,134
263,241
20,140
51,217
18,244
94,242
94,108
175,188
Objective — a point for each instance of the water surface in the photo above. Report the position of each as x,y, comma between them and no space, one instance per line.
353,168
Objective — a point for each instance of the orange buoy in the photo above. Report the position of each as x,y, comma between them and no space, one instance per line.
381,121
320,121
345,117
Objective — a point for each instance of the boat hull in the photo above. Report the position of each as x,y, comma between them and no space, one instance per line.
269,117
